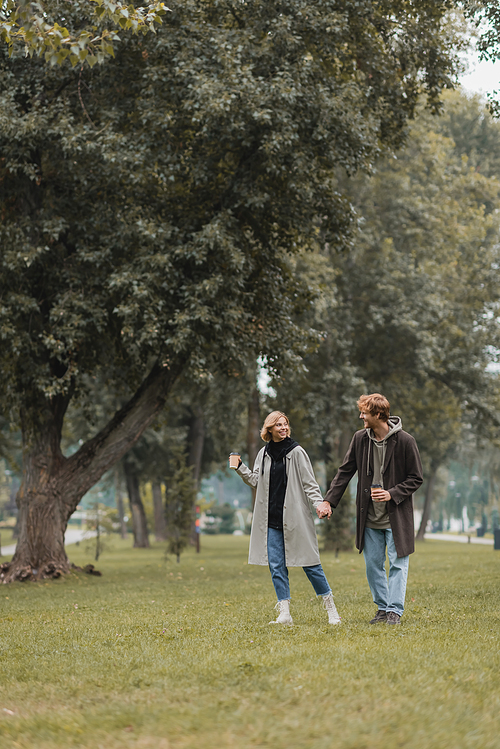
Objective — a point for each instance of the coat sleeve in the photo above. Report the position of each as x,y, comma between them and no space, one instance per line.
308,479
414,474
251,478
343,476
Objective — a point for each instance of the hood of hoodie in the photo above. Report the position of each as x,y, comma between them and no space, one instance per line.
395,425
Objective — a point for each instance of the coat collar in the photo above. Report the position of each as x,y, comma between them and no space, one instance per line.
391,444
393,441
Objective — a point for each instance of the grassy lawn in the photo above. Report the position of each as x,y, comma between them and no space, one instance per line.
6,538
165,656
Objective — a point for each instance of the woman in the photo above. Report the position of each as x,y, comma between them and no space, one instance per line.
283,533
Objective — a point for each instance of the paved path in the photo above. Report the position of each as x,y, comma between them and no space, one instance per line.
71,536
462,539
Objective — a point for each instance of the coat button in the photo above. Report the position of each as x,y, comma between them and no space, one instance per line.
365,491
361,509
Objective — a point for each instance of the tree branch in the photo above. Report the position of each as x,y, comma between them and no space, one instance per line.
97,455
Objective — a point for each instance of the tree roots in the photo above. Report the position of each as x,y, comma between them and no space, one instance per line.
9,573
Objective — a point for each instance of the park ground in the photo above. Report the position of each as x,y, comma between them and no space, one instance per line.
161,655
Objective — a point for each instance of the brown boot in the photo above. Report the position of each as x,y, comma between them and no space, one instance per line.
380,616
393,618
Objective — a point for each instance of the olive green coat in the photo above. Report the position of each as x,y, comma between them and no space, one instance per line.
302,490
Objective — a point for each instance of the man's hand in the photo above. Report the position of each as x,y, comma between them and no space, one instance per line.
324,510
380,495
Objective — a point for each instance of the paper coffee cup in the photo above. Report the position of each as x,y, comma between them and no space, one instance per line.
234,460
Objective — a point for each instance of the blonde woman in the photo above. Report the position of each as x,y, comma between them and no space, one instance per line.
283,533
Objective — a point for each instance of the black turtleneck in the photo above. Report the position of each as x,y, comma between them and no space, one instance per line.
277,480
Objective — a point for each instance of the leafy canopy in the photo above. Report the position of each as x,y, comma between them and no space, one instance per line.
412,310
82,31
152,209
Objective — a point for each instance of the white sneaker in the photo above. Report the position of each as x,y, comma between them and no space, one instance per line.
329,604
283,607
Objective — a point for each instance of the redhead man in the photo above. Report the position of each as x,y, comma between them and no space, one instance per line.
389,473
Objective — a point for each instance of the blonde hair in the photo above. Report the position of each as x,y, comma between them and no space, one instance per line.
270,420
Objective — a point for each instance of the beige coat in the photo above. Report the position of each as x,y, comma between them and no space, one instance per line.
302,490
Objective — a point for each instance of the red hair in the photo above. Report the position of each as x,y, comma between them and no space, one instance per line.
376,405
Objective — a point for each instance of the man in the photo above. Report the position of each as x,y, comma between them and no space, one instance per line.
389,472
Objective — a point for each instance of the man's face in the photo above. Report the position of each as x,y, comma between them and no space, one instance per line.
370,421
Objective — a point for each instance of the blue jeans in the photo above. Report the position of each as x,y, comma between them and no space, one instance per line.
279,571
388,597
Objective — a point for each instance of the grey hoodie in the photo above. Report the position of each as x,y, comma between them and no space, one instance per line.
378,516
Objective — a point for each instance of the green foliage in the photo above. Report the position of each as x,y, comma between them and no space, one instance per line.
435,418
475,134
155,211
154,658
82,34
411,311
485,14
424,297
129,210
180,499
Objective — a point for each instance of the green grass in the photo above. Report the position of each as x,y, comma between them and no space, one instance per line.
165,656
6,538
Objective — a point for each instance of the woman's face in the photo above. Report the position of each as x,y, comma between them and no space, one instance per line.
280,430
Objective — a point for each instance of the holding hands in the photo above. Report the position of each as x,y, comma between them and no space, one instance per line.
324,510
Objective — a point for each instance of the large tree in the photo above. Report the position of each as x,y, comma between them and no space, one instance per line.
151,208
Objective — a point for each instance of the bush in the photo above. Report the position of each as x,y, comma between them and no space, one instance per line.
223,519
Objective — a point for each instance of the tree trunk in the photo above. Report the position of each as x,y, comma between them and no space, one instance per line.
429,496
169,513
119,505
98,547
52,485
12,506
196,441
139,524
41,500
253,433
159,513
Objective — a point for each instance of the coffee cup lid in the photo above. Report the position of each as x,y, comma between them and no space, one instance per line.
233,453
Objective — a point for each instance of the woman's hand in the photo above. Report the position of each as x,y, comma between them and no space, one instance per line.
324,510
234,460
